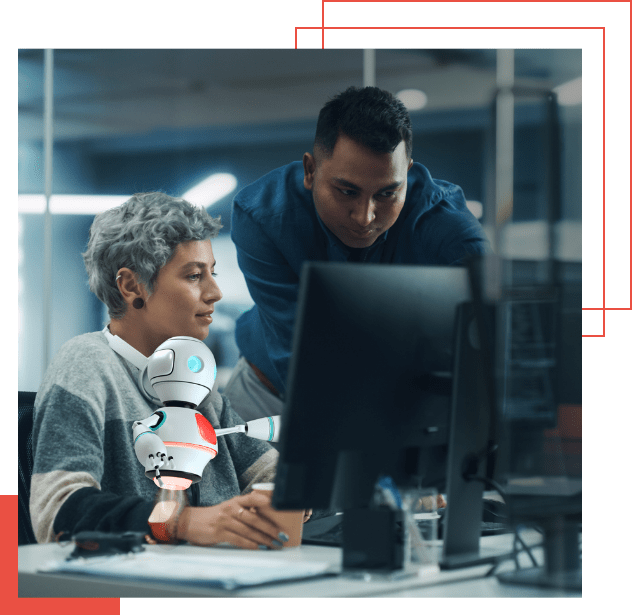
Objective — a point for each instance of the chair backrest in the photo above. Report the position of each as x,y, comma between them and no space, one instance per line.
26,402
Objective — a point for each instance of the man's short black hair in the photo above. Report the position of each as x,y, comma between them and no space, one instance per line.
370,116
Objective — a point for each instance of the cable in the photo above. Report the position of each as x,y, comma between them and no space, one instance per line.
489,482
518,538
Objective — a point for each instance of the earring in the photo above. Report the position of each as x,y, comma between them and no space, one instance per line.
138,303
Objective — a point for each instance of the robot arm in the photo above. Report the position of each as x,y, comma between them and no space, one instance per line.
267,428
149,447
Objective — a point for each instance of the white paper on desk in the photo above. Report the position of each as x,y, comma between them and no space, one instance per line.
205,570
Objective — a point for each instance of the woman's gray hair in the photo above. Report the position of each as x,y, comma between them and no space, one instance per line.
142,234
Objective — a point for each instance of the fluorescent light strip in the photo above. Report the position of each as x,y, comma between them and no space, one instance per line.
204,194
78,204
211,190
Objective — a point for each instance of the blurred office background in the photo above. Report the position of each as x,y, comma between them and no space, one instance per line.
126,121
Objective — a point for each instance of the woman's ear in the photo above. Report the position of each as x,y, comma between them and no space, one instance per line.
129,286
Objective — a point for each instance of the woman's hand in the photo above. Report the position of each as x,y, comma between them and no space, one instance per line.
307,515
234,521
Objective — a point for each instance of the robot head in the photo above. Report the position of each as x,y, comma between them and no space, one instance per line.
182,370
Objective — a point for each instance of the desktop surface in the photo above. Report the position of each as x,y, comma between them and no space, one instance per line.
469,582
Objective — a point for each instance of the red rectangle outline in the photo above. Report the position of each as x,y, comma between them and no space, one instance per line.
323,28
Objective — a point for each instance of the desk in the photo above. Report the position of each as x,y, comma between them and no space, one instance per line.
467,582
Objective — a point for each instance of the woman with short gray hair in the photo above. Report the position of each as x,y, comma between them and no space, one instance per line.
128,248
141,234
151,262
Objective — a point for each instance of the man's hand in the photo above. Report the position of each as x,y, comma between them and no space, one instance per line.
234,521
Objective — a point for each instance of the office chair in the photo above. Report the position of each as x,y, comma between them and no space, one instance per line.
26,401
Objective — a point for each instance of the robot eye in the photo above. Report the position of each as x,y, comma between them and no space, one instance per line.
195,364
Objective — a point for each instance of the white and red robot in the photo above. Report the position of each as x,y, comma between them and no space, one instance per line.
175,443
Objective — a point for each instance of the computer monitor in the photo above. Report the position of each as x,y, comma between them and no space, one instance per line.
385,359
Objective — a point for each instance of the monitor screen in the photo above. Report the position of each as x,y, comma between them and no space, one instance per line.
369,389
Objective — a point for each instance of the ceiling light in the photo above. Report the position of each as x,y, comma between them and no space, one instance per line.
569,93
211,190
413,99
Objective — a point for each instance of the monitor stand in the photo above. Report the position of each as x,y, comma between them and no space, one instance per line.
469,439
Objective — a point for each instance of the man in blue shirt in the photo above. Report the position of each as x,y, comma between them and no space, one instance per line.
358,197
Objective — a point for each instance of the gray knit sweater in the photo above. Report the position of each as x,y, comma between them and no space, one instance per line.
86,475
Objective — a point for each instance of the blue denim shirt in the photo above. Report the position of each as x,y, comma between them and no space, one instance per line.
276,229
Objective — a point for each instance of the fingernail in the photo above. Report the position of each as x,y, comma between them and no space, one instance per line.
283,536
264,547
276,543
